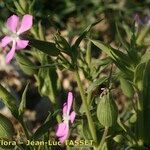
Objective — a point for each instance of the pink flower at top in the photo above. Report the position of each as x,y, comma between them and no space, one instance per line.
63,128
15,28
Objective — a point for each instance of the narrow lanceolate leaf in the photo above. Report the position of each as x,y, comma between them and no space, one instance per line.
9,100
138,76
83,35
19,8
111,52
122,61
62,44
142,34
107,49
85,130
46,47
23,4
46,126
122,41
23,101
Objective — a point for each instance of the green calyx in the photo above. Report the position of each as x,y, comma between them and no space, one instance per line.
107,112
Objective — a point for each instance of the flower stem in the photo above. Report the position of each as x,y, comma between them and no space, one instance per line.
84,101
140,121
103,138
53,100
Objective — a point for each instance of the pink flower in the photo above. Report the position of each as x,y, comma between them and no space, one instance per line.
63,128
15,28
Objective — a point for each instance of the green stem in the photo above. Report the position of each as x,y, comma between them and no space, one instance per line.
89,97
84,101
140,120
88,54
103,138
53,100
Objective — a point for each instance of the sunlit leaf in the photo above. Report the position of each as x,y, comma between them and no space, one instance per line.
9,100
46,47
22,105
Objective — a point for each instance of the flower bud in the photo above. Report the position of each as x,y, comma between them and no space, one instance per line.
107,111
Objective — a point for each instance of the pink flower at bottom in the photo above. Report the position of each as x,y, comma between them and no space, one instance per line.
15,28
63,128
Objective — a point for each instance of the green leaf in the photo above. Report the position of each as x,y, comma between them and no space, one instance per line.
22,105
9,100
122,61
118,138
138,76
62,44
102,62
133,118
41,31
146,56
48,80
23,4
85,130
123,68
31,6
126,87
45,127
46,47
143,34
6,128
113,53
19,8
120,38
105,48
25,64
96,83
83,35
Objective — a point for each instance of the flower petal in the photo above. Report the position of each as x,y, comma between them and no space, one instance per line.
62,129
6,40
65,108
72,116
69,102
21,44
11,53
65,135
26,23
63,138
12,23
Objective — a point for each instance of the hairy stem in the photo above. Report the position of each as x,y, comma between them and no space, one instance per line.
103,138
84,101
140,120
